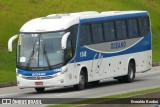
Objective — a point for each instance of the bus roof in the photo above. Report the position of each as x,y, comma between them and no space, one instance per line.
109,15
55,22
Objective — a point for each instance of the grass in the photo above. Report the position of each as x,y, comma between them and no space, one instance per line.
106,98
7,66
14,14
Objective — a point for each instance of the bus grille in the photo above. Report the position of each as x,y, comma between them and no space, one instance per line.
38,77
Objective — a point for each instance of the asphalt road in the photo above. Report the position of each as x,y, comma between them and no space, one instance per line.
142,81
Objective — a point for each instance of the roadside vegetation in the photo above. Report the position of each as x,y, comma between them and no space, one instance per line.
15,13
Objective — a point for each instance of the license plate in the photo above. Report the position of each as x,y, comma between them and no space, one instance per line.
38,83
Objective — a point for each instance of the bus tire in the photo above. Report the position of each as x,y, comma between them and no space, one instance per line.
121,79
40,90
82,81
95,82
131,73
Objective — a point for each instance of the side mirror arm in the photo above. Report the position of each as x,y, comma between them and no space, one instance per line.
10,41
64,40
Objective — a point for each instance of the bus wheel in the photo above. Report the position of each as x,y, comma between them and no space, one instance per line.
131,73
121,80
82,81
95,82
40,90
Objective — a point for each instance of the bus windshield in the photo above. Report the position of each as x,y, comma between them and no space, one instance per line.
41,50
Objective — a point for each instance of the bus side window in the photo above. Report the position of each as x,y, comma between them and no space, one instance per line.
121,29
85,35
97,33
109,31
74,31
69,53
73,37
144,26
71,43
132,28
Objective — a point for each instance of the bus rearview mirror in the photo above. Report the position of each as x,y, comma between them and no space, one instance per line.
10,41
64,40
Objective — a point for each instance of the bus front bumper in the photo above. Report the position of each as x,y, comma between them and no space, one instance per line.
52,82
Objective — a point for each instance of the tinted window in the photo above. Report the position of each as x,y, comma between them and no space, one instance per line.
73,34
97,33
71,42
132,28
121,30
144,26
109,31
85,33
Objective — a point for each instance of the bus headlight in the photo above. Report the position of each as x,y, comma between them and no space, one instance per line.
64,69
20,75
59,73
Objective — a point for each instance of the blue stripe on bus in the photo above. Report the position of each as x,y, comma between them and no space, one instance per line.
113,17
143,45
38,73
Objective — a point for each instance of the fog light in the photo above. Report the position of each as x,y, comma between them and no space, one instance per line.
62,80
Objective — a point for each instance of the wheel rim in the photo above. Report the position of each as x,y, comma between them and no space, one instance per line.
131,73
82,80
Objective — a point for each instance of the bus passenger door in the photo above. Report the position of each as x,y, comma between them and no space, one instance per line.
93,66
96,66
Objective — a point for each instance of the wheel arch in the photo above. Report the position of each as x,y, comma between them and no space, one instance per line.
85,70
132,60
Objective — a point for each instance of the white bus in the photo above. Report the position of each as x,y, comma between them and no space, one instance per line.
78,48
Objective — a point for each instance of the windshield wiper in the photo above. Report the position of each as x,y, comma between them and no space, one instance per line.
30,57
57,65
46,56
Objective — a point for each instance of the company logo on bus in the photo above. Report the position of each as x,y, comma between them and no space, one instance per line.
117,45
38,74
